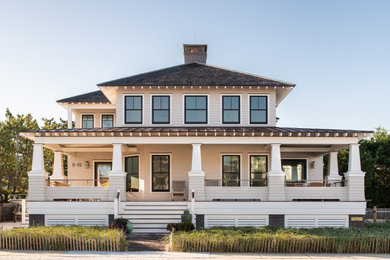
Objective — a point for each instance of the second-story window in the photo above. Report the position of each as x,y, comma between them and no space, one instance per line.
160,109
133,110
107,121
230,109
258,110
87,121
195,109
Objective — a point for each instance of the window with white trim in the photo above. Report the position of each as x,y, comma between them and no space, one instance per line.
133,109
258,109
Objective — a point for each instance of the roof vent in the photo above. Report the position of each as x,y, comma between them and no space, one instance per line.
195,53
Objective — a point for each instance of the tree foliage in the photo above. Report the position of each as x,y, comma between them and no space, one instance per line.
16,152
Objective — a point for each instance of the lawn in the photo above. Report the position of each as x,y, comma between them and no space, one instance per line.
373,238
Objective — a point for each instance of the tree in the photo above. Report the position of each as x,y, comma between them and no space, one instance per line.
15,152
51,124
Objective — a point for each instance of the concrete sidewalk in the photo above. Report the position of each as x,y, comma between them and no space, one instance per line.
27,255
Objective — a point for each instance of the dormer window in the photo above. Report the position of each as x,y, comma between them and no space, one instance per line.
160,109
258,109
230,109
195,109
87,121
133,109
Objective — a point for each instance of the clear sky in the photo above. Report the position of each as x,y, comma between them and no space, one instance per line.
336,52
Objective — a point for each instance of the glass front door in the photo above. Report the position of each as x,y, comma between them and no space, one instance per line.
132,169
101,173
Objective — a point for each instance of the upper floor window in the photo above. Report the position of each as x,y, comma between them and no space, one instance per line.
87,121
107,121
258,110
195,109
133,110
160,109
230,109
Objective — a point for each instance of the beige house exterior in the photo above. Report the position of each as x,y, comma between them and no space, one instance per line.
196,137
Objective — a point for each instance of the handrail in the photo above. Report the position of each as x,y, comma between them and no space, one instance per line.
240,182
77,182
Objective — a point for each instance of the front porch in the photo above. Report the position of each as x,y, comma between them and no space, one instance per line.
214,172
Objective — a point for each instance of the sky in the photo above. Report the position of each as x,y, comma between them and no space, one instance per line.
337,52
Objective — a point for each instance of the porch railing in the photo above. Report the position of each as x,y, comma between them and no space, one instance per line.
315,183
77,182
235,183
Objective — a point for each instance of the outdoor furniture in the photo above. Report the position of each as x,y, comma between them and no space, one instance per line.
17,212
178,189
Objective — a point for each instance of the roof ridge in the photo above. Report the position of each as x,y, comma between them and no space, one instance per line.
152,71
246,73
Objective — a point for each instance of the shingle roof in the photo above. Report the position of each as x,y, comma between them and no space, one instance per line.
195,74
96,96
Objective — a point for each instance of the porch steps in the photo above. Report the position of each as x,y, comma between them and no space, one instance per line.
152,217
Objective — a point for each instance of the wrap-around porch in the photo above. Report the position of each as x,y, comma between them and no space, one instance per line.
209,172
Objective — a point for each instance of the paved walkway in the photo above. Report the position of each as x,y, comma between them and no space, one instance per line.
27,255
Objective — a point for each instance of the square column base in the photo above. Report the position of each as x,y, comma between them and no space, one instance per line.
117,181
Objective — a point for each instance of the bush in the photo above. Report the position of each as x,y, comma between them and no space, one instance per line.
186,227
373,238
122,224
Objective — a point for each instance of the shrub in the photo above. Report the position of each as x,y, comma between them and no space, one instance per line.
373,238
122,224
180,227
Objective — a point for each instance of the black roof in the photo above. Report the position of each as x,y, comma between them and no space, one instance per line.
195,74
96,96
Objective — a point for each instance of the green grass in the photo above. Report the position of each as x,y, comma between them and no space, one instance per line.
63,238
374,238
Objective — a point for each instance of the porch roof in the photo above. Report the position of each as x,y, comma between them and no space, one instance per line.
200,131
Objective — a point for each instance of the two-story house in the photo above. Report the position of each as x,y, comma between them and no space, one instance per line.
197,137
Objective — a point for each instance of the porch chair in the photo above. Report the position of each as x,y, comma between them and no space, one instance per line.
178,189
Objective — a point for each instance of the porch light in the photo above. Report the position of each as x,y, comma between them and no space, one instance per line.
313,164
86,164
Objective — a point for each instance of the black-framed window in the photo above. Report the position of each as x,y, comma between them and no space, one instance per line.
230,109
133,109
87,121
195,109
160,109
132,177
258,109
107,121
231,170
295,169
258,170
160,173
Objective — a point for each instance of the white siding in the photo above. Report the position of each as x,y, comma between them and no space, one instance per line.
177,104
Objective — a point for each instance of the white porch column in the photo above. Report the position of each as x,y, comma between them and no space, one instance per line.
196,175
58,167
37,175
69,118
117,176
355,175
275,176
333,169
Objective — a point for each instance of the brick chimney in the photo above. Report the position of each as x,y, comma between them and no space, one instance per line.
195,53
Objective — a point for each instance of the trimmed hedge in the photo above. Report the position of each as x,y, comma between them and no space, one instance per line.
374,238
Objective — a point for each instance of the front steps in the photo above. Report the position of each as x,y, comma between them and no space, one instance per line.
152,217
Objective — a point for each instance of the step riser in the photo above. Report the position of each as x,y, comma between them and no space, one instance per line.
152,217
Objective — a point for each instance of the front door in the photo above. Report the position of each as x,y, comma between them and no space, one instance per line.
101,173
132,169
